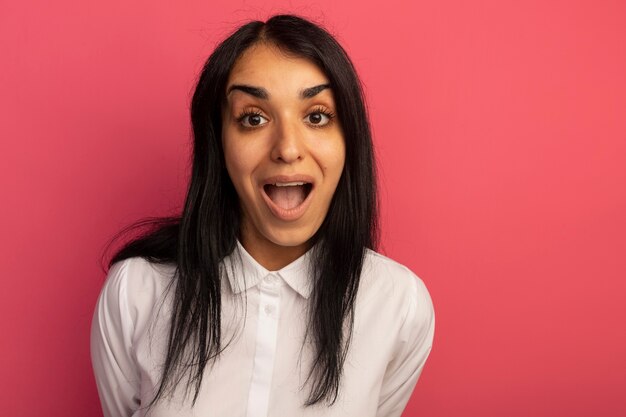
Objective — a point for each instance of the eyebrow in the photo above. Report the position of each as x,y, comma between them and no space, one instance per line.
260,92
313,91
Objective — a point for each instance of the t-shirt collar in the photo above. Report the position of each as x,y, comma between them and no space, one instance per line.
297,274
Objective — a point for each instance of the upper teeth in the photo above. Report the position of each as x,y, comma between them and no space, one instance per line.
288,184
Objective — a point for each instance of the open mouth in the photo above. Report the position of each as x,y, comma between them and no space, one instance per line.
288,195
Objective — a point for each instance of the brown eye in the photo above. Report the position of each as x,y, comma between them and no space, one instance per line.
252,120
318,119
315,118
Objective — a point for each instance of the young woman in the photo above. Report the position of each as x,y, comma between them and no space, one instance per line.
265,297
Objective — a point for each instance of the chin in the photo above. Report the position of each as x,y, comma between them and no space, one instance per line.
289,238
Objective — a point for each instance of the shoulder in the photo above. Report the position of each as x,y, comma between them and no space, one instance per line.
139,277
134,286
395,287
385,274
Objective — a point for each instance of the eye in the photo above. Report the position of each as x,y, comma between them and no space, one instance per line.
251,119
319,117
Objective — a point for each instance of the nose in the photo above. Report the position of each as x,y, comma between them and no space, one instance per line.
287,146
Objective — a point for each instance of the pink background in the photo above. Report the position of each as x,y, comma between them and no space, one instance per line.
501,135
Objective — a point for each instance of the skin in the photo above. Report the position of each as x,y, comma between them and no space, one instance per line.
288,135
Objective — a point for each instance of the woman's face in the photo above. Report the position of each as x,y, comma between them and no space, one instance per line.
284,150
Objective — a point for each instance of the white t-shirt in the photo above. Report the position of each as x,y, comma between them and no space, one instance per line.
262,370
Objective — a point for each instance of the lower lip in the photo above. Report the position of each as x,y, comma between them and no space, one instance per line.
291,214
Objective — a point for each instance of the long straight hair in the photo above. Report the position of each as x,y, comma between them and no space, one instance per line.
196,243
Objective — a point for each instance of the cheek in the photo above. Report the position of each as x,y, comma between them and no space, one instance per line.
329,153
236,167
238,158
334,161
242,163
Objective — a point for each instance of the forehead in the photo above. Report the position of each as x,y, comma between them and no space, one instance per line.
268,66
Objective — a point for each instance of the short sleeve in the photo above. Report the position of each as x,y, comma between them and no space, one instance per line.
111,346
414,345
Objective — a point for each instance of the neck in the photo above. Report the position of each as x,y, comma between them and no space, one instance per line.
269,254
